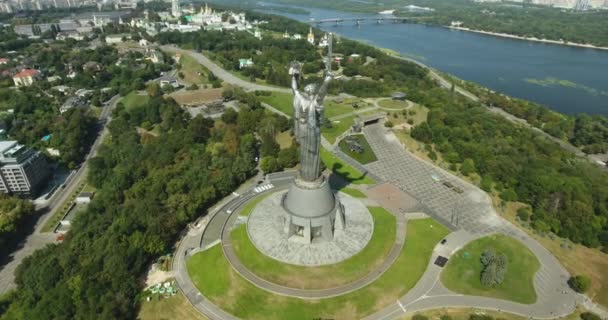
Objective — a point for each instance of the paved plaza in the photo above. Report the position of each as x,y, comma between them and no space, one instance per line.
266,231
471,213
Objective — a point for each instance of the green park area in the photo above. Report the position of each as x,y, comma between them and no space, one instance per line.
463,272
337,128
134,100
346,171
214,277
392,104
356,267
338,107
279,100
194,72
357,147
172,307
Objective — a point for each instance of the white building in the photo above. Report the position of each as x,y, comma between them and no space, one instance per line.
311,37
207,16
117,38
22,170
84,197
324,41
176,11
26,77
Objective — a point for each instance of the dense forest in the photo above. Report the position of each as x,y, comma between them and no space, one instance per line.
522,20
149,188
568,196
588,132
14,212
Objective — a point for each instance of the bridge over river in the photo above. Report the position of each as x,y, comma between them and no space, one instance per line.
358,21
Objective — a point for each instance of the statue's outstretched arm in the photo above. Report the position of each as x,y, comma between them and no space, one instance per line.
323,89
294,83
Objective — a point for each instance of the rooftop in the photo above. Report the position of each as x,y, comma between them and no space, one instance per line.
5,145
26,73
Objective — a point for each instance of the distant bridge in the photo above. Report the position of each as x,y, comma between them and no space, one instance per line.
357,21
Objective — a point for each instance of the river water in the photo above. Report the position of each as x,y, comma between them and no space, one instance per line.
567,79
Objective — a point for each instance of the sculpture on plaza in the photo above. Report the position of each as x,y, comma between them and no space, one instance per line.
313,210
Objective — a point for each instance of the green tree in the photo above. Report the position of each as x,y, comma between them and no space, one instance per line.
579,283
468,167
269,164
288,157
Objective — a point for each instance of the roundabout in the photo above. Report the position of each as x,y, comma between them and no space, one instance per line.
237,295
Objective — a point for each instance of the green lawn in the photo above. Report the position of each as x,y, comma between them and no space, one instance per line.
366,156
214,277
333,108
393,104
191,69
354,192
320,277
339,167
134,100
173,307
338,127
246,210
279,100
462,274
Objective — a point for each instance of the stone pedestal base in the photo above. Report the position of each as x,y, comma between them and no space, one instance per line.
313,212
266,229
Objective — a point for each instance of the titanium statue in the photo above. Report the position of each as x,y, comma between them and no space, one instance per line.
308,113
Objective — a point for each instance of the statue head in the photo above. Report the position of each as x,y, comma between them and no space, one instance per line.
310,89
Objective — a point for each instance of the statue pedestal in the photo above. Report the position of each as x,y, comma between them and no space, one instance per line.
313,212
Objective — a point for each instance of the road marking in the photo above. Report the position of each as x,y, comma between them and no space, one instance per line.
401,306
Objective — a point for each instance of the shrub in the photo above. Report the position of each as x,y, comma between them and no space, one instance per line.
579,283
419,317
495,267
269,165
590,316
480,317
445,317
388,124
523,214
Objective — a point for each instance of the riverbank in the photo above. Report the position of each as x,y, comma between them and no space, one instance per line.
511,36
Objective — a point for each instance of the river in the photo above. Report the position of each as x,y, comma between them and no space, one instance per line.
567,79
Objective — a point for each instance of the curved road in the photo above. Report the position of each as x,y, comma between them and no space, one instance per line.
554,297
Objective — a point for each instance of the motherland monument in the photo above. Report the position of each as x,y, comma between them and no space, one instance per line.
313,212
309,224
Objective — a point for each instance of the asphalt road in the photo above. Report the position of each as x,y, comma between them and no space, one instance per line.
223,74
38,239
